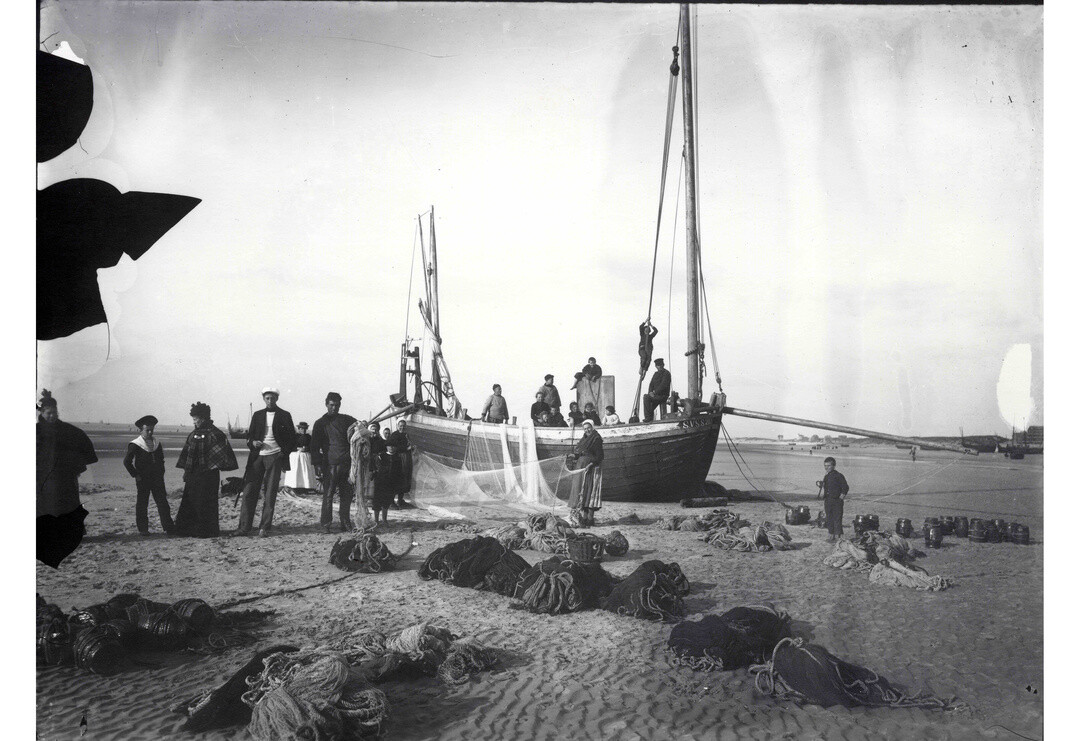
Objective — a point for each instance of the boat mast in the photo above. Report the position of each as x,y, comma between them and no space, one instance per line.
433,306
693,289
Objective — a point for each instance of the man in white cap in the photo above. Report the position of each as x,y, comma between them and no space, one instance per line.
271,438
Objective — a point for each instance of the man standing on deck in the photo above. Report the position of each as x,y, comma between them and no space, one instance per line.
659,389
495,407
551,394
271,438
835,488
332,459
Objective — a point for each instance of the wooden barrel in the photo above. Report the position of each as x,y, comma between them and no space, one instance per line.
978,531
1019,534
873,522
791,517
960,526
993,534
948,524
97,651
933,536
804,514
904,528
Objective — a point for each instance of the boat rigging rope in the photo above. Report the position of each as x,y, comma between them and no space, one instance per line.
412,265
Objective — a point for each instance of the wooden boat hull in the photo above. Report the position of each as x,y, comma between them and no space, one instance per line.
661,461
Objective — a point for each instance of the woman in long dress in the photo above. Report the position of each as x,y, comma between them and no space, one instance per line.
205,455
588,454
301,474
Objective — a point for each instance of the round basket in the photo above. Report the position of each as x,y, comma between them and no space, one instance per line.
585,548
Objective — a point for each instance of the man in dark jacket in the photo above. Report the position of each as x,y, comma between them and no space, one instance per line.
63,452
835,487
539,407
659,390
331,457
271,438
145,461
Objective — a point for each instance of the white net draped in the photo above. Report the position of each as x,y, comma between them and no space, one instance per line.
492,483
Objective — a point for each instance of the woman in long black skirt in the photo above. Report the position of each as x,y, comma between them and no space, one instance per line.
205,455
588,454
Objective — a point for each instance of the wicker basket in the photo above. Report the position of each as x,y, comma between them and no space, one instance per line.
585,547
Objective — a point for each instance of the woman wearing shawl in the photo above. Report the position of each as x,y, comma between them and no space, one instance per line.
588,454
63,452
205,455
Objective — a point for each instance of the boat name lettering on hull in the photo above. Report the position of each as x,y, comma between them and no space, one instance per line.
686,423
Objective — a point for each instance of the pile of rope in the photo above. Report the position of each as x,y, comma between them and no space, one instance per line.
511,536
807,673
887,558
653,591
479,563
367,554
557,586
456,526
312,694
718,518
102,637
767,536
546,533
742,636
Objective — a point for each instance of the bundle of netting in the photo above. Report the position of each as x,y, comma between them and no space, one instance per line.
898,574
481,562
558,585
366,553
807,673
848,555
740,637
455,526
312,694
654,591
616,544
511,536
718,518
767,536
885,546
464,659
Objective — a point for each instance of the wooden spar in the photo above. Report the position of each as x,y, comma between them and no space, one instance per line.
850,430
433,306
693,289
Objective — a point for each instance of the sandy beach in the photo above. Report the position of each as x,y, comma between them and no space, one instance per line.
595,675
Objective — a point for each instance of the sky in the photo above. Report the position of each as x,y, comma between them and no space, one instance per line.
870,184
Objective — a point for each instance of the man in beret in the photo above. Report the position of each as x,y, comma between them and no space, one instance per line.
271,438
145,461
332,458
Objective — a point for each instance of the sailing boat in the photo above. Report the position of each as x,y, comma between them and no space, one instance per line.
658,461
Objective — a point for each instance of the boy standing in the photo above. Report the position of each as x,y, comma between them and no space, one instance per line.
835,488
145,461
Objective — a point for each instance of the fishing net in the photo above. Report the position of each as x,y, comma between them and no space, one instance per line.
616,544
558,586
807,673
481,562
654,591
501,477
767,536
740,637
896,574
366,553
465,659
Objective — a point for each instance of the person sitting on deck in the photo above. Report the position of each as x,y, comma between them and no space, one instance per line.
555,419
544,419
495,407
539,407
590,372
591,414
575,414
611,418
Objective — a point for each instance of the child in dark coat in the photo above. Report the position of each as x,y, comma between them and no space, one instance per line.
145,461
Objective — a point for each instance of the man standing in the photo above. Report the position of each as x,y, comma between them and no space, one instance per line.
331,457
145,461
835,487
659,389
495,407
271,438
63,452
551,394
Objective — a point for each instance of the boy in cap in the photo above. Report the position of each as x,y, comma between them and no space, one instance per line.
145,461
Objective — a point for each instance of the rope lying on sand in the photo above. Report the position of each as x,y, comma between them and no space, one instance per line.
742,636
807,673
367,554
887,558
767,536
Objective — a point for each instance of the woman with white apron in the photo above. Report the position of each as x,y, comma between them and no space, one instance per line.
301,474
